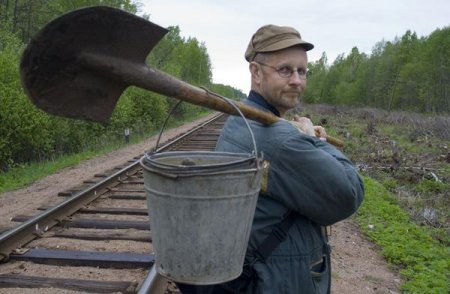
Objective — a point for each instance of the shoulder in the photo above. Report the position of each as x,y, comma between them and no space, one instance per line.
281,141
271,139
289,136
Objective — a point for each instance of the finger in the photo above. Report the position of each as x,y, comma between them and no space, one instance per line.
297,118
304,120
320,131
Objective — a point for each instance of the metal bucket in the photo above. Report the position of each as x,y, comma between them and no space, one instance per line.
201,215
201,207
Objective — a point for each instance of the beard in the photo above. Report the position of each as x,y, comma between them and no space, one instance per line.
284,101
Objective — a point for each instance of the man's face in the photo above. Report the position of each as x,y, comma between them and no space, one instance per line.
283,93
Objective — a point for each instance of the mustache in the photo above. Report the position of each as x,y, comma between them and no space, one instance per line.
297,92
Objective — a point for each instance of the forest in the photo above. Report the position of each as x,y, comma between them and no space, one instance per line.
28,134
409,73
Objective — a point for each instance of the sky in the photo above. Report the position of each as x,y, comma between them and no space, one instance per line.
333,26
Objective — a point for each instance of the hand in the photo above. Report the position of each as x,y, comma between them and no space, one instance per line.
304,125
320,132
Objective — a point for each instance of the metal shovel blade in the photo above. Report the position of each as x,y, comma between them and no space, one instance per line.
55,79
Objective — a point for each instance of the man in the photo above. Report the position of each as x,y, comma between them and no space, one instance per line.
309,182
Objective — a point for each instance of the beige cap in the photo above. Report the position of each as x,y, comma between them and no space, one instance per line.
273,38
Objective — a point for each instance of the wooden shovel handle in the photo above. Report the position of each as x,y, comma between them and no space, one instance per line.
256,114
142,76
335,141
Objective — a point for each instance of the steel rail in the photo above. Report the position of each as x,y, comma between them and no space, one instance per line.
154,283
37,225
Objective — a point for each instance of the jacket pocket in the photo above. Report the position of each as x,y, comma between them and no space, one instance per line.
320,275
318,268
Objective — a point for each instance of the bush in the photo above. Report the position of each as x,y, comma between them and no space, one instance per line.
23,129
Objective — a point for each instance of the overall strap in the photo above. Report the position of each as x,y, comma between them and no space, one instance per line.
278,235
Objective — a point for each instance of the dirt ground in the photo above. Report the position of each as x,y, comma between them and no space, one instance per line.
356,265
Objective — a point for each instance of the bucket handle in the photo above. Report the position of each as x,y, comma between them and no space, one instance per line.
232,104
164,125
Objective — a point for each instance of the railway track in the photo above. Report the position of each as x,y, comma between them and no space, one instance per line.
98,239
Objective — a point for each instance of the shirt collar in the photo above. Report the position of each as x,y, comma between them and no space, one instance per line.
258,99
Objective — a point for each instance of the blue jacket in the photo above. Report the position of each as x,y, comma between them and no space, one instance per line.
308,176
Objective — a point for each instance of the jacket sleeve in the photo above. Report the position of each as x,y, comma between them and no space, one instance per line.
315,179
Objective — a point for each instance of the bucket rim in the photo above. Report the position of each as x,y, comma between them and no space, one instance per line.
150,160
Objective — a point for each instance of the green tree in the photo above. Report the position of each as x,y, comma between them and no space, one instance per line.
317,73
187,60
408,73
227,91
26,17
28,134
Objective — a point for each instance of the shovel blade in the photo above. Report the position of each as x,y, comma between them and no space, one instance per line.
57,82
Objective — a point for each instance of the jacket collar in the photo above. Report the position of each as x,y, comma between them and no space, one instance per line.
258,99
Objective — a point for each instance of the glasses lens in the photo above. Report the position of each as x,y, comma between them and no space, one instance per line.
302,73
285,71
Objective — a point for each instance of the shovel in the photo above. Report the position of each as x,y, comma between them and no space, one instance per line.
79,64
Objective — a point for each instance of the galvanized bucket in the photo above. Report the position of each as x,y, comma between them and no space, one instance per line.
201,207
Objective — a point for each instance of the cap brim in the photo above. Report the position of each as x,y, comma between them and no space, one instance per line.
286,44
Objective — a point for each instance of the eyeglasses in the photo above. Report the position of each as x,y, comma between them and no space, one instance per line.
286,71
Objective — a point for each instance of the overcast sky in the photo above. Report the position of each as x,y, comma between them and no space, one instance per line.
333,26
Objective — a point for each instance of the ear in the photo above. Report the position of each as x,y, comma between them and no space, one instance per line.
255,71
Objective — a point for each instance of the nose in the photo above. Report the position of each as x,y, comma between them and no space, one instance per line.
295,78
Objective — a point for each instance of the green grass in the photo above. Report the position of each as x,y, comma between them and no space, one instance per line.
424,263
446,170
25,174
